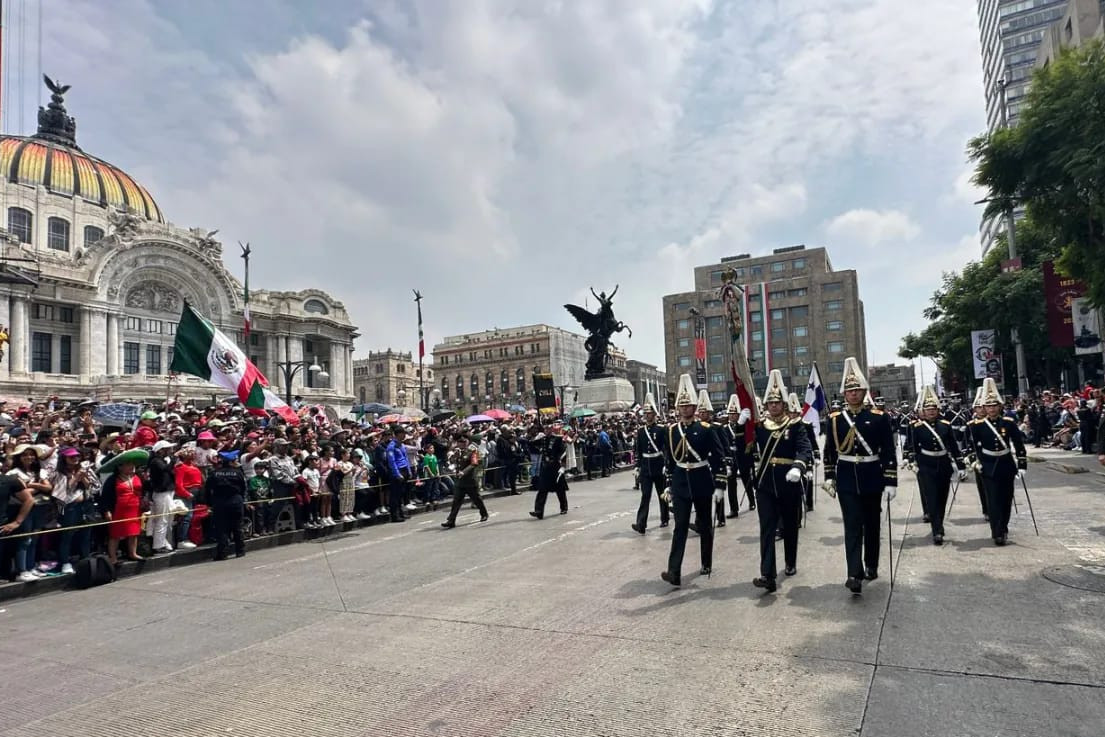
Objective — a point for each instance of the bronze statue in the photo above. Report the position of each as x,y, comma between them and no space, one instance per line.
601,325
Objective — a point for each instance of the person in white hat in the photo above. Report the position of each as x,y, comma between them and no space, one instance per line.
162,489
783,454
999,449
972,461
705,415
933,448
696,465
738,456
649,452
861,462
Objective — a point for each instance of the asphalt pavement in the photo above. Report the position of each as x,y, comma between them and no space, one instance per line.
563,627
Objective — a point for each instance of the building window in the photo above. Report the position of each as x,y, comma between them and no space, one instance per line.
684,361
379,393
753,299
740,272
474,384
834,305
504,382
834,325
444,360
836,347
153,326
717,378
520,380
92,234
712,304
801,331
41,352
684,342
758,336
713,322
316,306
65,355
833,286
65,314
800,312
778,266
254,339
801,350
400,368
800,292
798,263
130,357
778,314
681,306
20,223
757,355
153,359
364,395
57,234
836,366
716,358
169,357
779,352
444,387
715,277
489,383
756,316
43,312
460,386
778,334
757,271
133,323
682,324
776,295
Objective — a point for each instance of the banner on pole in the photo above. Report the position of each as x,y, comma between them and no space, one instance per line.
1086,324
982,353
700,352
1059,291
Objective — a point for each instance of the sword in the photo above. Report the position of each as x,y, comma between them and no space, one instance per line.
1030,511
890,545
948,514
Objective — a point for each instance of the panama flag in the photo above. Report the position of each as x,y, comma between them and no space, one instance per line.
815,403
203,351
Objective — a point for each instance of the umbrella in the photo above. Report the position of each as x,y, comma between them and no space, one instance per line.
119,414
479,418
498,414
442,416
388,419
517,409
136,456
372,408
583,412
412,412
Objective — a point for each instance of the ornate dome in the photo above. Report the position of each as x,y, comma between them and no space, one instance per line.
51,158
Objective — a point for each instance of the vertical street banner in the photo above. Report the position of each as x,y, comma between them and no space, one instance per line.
1059,291
699,352
1086,324
544,393
983,355
765,316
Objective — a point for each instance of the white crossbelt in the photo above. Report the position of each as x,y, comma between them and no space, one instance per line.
858,459
996,453
652,455
934,453
692,466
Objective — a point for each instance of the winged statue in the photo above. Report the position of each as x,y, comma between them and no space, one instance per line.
600,326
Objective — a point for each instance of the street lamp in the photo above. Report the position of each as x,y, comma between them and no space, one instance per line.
402,394
289,369
564,389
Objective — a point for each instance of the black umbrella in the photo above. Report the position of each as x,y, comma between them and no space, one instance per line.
442,416
372,408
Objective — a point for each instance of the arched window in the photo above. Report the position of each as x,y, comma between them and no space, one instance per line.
444,387
520,379
504,382
475,384
20,223
57,234
489,383
364,393
92,234
460,387
316,306
379,393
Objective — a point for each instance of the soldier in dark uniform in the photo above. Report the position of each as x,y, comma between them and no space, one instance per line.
999,450
696,466
649,451
932,451
782,454
226,488
467,483
861,461
794,408
738,456
551,474
706,415
978,413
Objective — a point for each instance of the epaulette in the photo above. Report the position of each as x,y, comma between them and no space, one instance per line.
705,424
945,422
915,423
835,413
877,411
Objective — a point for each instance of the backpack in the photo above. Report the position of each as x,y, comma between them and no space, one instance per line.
95,570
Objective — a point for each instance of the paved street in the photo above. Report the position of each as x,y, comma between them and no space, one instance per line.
563,627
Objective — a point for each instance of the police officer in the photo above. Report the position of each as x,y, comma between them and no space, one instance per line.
783,454
999,450
738,456
226,489
696,466
861,461
933,450
551,472
649,451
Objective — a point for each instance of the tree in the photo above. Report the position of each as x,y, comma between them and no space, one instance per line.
1053,163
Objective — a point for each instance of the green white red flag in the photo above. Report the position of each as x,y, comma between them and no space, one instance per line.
202,350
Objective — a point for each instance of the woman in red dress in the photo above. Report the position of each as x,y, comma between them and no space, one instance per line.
120,504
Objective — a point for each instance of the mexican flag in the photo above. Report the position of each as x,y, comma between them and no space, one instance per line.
203,351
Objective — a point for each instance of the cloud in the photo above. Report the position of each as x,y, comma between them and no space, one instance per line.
872,227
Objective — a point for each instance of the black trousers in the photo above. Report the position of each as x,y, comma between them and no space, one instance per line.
460,491
981,493
397,488
934,496
648,483
779,505
682,508
543,493
228,523
999,500
512,475
862,520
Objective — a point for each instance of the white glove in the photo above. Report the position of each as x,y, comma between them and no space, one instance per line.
891,492
719,496
830,487
666,496
744,416
794,476
976,467
1021,474
809,475
963,474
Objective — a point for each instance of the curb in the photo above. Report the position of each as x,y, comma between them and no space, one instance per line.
205,553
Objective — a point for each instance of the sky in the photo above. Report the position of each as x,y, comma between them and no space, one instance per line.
504,156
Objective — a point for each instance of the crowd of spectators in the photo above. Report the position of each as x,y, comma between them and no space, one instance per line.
62,498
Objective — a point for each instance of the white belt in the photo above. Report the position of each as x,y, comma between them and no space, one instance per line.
692,466
996,453
934,453
652,455
858,459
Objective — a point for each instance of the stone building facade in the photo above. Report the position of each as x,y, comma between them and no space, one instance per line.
798,310
494,368
893,383
645,378
391,377
93,279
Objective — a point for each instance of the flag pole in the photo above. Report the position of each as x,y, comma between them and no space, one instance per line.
421,352
245,293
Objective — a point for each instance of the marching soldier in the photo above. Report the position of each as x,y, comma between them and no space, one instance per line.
783,454
649,450
933,450
550,474
978,413
467,483
705,414
794,407
999,449
860,463
696,466
739,460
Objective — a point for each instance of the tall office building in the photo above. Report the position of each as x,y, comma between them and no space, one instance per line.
1011,32
798,310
